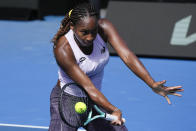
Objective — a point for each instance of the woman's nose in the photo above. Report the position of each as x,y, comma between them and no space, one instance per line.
90,37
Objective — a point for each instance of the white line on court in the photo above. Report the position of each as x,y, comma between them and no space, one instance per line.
25,126
29,126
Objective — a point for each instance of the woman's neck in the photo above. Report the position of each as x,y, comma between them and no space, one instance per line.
86,50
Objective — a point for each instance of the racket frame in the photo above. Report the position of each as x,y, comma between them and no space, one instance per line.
89,118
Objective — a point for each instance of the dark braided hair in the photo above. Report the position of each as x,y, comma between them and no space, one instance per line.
77,13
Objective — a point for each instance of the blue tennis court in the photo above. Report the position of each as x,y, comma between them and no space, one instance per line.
28,73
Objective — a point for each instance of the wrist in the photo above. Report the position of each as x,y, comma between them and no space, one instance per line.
151,83
116,109
113,109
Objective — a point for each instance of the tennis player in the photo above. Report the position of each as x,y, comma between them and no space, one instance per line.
81,53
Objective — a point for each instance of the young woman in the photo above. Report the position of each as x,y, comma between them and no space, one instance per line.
81,53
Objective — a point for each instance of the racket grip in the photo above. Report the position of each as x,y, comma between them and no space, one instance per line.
110,117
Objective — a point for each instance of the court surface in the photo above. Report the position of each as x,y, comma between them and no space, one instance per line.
28,73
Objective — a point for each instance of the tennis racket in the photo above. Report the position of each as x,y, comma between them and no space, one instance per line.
67,107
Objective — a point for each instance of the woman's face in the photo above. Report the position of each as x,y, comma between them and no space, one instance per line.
86,30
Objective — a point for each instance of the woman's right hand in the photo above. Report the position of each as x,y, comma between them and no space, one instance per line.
119,120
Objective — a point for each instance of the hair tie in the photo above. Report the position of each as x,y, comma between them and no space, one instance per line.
70,12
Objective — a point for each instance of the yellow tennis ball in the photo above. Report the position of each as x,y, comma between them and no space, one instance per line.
80,107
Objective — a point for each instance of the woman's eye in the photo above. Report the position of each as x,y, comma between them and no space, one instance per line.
94,32
89,32
85,32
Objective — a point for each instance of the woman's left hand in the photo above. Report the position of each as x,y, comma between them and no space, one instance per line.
159,88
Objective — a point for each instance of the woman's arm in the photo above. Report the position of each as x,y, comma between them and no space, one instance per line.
128,57
66,60
133,63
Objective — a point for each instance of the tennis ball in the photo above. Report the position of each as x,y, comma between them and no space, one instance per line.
80,107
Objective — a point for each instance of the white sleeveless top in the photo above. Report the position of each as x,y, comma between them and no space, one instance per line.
92,65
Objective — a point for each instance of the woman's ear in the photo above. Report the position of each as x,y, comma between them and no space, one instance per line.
71,26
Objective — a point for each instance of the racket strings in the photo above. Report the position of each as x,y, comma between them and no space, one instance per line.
71,117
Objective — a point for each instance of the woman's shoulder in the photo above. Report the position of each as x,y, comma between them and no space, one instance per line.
103,24
62,43
105,27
